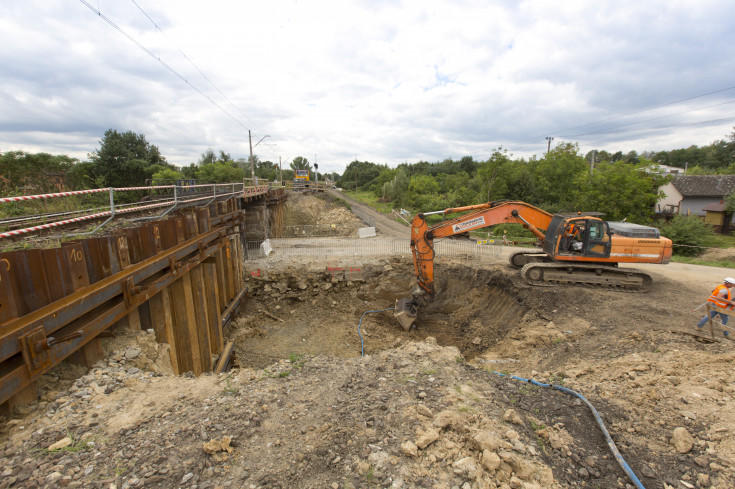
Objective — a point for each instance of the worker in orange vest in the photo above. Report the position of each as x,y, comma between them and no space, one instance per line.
720,297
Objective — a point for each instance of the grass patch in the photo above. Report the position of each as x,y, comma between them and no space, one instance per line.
556,379
720,241
280,375
535,426
692,260
296,359
370,199
76,445
230,390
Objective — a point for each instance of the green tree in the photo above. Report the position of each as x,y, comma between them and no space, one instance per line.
360,174
622,191
27,173
166,174
126,159
558,175
267,170
300,163
221,172
688,233
423,193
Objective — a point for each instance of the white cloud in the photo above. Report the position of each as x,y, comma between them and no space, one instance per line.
381,81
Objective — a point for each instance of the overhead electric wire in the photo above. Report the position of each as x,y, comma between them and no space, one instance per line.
624,115
163,63
192,62
710,121
609,129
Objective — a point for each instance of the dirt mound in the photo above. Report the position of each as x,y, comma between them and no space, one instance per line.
719,254
306,409
309,215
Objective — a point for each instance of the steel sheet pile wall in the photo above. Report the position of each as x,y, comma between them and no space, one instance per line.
178,276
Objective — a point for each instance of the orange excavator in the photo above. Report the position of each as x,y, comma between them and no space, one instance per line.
575,249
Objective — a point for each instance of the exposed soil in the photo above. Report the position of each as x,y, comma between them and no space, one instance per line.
426,408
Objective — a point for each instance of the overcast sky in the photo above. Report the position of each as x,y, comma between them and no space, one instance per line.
376,80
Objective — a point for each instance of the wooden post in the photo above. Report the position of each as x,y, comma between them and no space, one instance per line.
168,326
132,321
182,309
221,279
89,354
158,319
709,320
230,270
201,321
24,397
211,289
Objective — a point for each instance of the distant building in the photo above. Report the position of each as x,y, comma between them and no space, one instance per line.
699,195
665,170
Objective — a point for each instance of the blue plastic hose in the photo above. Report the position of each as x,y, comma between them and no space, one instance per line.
362,342
598,419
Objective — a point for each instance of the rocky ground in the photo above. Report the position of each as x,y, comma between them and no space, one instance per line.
434,407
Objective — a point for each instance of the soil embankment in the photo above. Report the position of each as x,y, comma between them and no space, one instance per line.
420,409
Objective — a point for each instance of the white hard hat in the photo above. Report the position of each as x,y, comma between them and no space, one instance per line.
730,280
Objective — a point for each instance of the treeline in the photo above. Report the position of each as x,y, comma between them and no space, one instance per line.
127,159
622,186
561,181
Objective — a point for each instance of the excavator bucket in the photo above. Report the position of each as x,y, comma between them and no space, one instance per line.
405,312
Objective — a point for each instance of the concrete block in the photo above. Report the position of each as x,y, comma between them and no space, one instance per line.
366,232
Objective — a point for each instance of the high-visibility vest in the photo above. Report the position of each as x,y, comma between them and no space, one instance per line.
715,294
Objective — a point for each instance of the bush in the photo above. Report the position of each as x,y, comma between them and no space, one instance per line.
687,232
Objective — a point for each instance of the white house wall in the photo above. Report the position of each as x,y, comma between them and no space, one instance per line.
672,198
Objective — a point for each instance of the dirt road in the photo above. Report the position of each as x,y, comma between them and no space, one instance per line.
384,225
692,275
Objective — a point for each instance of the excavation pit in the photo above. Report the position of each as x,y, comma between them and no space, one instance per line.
311,311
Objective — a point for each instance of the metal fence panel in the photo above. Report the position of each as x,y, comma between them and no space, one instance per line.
367,247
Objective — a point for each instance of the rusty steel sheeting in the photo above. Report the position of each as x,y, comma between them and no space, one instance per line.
77,291
90,326
55,315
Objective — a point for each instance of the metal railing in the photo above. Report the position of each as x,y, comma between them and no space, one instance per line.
205,194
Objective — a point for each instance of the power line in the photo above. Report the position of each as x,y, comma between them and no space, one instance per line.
646,120
624,115
664,129
163,63
192,62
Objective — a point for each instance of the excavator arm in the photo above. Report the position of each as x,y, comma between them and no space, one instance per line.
479,216
482,215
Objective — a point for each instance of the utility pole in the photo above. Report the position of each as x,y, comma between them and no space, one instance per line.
252,160
280,171
316,171
549,139
594,157
252,163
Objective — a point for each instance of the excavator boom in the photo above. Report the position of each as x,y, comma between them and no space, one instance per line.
483,215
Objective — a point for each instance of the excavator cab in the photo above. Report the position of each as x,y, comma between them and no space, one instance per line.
586,236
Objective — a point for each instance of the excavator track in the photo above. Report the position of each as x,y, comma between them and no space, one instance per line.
519,259
555,273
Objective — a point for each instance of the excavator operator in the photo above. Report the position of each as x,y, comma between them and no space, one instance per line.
572,238
578,239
